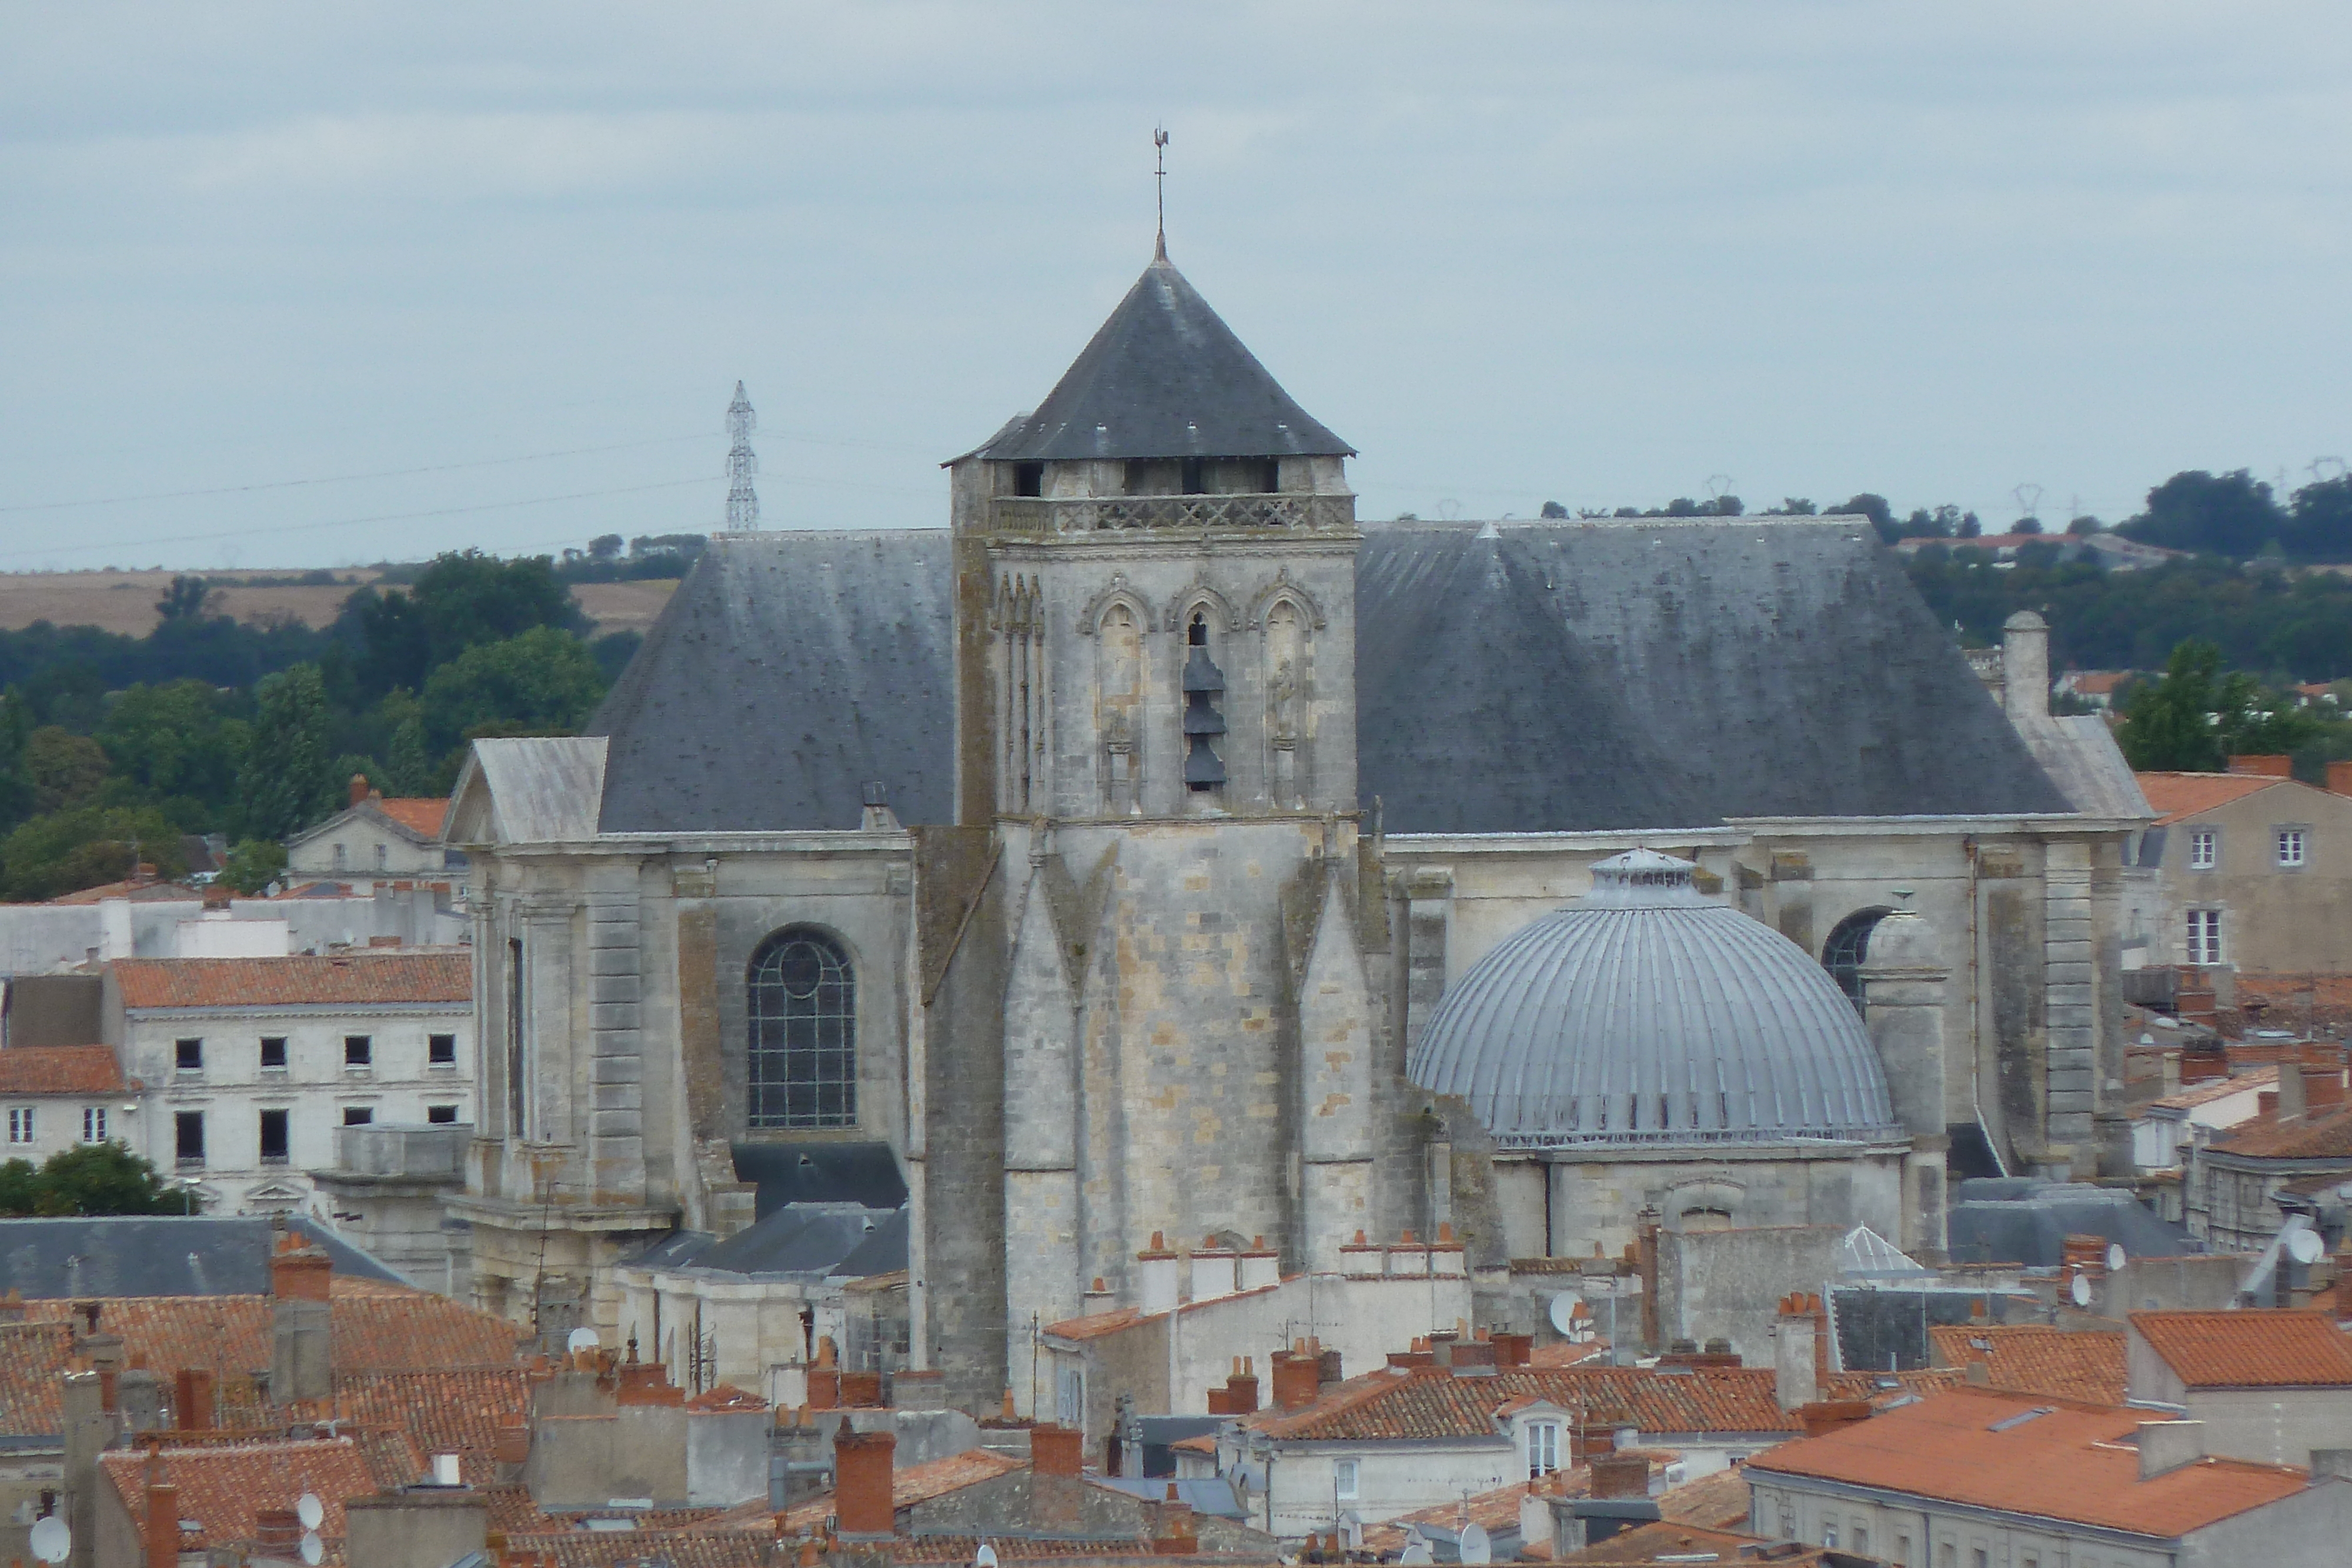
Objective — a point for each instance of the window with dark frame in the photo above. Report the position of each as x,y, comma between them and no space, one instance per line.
803,1032
188,1055
273,1053
188,1137
359,1050
358,1115
441,1116
441,1050
273,1137
514,1037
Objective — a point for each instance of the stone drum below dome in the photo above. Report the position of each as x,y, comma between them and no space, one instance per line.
1646,1014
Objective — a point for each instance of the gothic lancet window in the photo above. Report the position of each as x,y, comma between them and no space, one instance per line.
803,1045
1120,679
1286,674
1204,684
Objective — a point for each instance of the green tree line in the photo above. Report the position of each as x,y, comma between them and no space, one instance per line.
112,747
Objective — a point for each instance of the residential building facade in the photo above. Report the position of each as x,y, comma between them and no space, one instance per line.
2249,869
251,1064
61,1097
374,837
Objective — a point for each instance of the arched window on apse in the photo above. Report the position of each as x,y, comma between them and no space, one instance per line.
803,1044
1848,949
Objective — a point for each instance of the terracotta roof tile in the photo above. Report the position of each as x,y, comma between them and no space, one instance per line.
136,892
222,1489
443,1410
1562,1352
2033,1358
1095,1323
917,1483
1718,1502
361,977
691,1548
418,814
60,1070
2078,1463
2173,796
1668,1541
1886,1389
31,1356
1430,1401
2251,1349
2213,1089
2266,1137
963,1548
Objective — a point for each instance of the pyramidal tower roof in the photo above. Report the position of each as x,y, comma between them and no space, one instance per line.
1165,376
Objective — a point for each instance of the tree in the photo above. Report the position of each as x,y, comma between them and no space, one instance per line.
2321,528
2232,515
15,778
94,1178
1794,507
174,739
544,681
64,768
1553,510
2084,526
2026,526
64,852
185,600
1967,527
253,864
288,781
408,757
1863,504
2194,719
604,546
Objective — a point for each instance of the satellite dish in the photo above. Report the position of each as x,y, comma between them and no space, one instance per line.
985,1557
312,1549
2306,1247
1476,1547
2080,1288
2115,1259
306,1509
582,1339
1416,1554
1563,1312
51,1541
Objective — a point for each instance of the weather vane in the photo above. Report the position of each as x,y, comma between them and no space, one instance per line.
1160,174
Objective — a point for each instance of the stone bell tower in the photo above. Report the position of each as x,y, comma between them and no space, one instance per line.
1155,710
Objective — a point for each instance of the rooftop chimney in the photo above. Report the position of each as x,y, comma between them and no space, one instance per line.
1619,1475
302,1352
1213,1273
192,1399
2025,666
861,1470
359,788
2292,1100
1155,1277
1260,1266
2169,1445
1054,1450
162,1520
1796,1381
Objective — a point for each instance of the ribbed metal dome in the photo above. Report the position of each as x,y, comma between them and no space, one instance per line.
1644,1014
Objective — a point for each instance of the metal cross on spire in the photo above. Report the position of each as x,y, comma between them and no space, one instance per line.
1159,176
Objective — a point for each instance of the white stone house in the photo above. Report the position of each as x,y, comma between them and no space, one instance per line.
374,837
251,1064
59,1097
2165,1130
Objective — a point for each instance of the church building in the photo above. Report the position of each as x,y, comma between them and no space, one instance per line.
1102,857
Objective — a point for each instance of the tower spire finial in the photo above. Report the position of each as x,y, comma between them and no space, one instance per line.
742,501
1160,174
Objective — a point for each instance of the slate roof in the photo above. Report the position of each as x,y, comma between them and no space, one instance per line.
863,1173
60,1070
2178,796
1165,376
360,978
1432,1403
787,670
2250,1349
2086,1366
1885,1329
1559,676
823,1240
1594,675
161,1255
2077,1463
2025,1220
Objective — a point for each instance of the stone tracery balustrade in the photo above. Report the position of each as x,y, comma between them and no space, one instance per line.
1060,515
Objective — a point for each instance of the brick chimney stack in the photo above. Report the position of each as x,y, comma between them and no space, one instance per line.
301,1349
163,1520
861,1470
359,788
1054,1450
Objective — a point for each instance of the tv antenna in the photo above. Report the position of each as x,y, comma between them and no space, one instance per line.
1159,179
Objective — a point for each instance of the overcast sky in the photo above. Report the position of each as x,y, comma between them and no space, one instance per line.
1515,253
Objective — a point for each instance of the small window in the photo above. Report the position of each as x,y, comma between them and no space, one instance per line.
188,1055
342,857
188,1137
2290,848
1828,1534
20,1123
273,1137
441,1116
273,1053
359,1050
1196,478
2205,936
1543,1449
441,1050
1902,1552
1861,1540
1946,1556
1981,1558
93,1124
1028,478
2204,849
382,856
1343,1479
358,1115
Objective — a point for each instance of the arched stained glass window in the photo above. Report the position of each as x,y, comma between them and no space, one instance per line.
803,1067
1848,945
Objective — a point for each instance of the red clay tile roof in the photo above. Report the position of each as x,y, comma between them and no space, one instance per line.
2077,1463
2173,796
2326,1137
221,1489
1561,1353
1718,1502
1430,1401
2213,1089
1886,1389
633,1548
31,1355
2033,1358
1095,1323
418,814
963,1548
2251,1349
136,892
60,1070
917,1483
443,1410
361,977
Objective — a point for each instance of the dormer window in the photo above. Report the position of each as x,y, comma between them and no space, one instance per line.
1203,684
1196,478
1543,1449
1028,478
